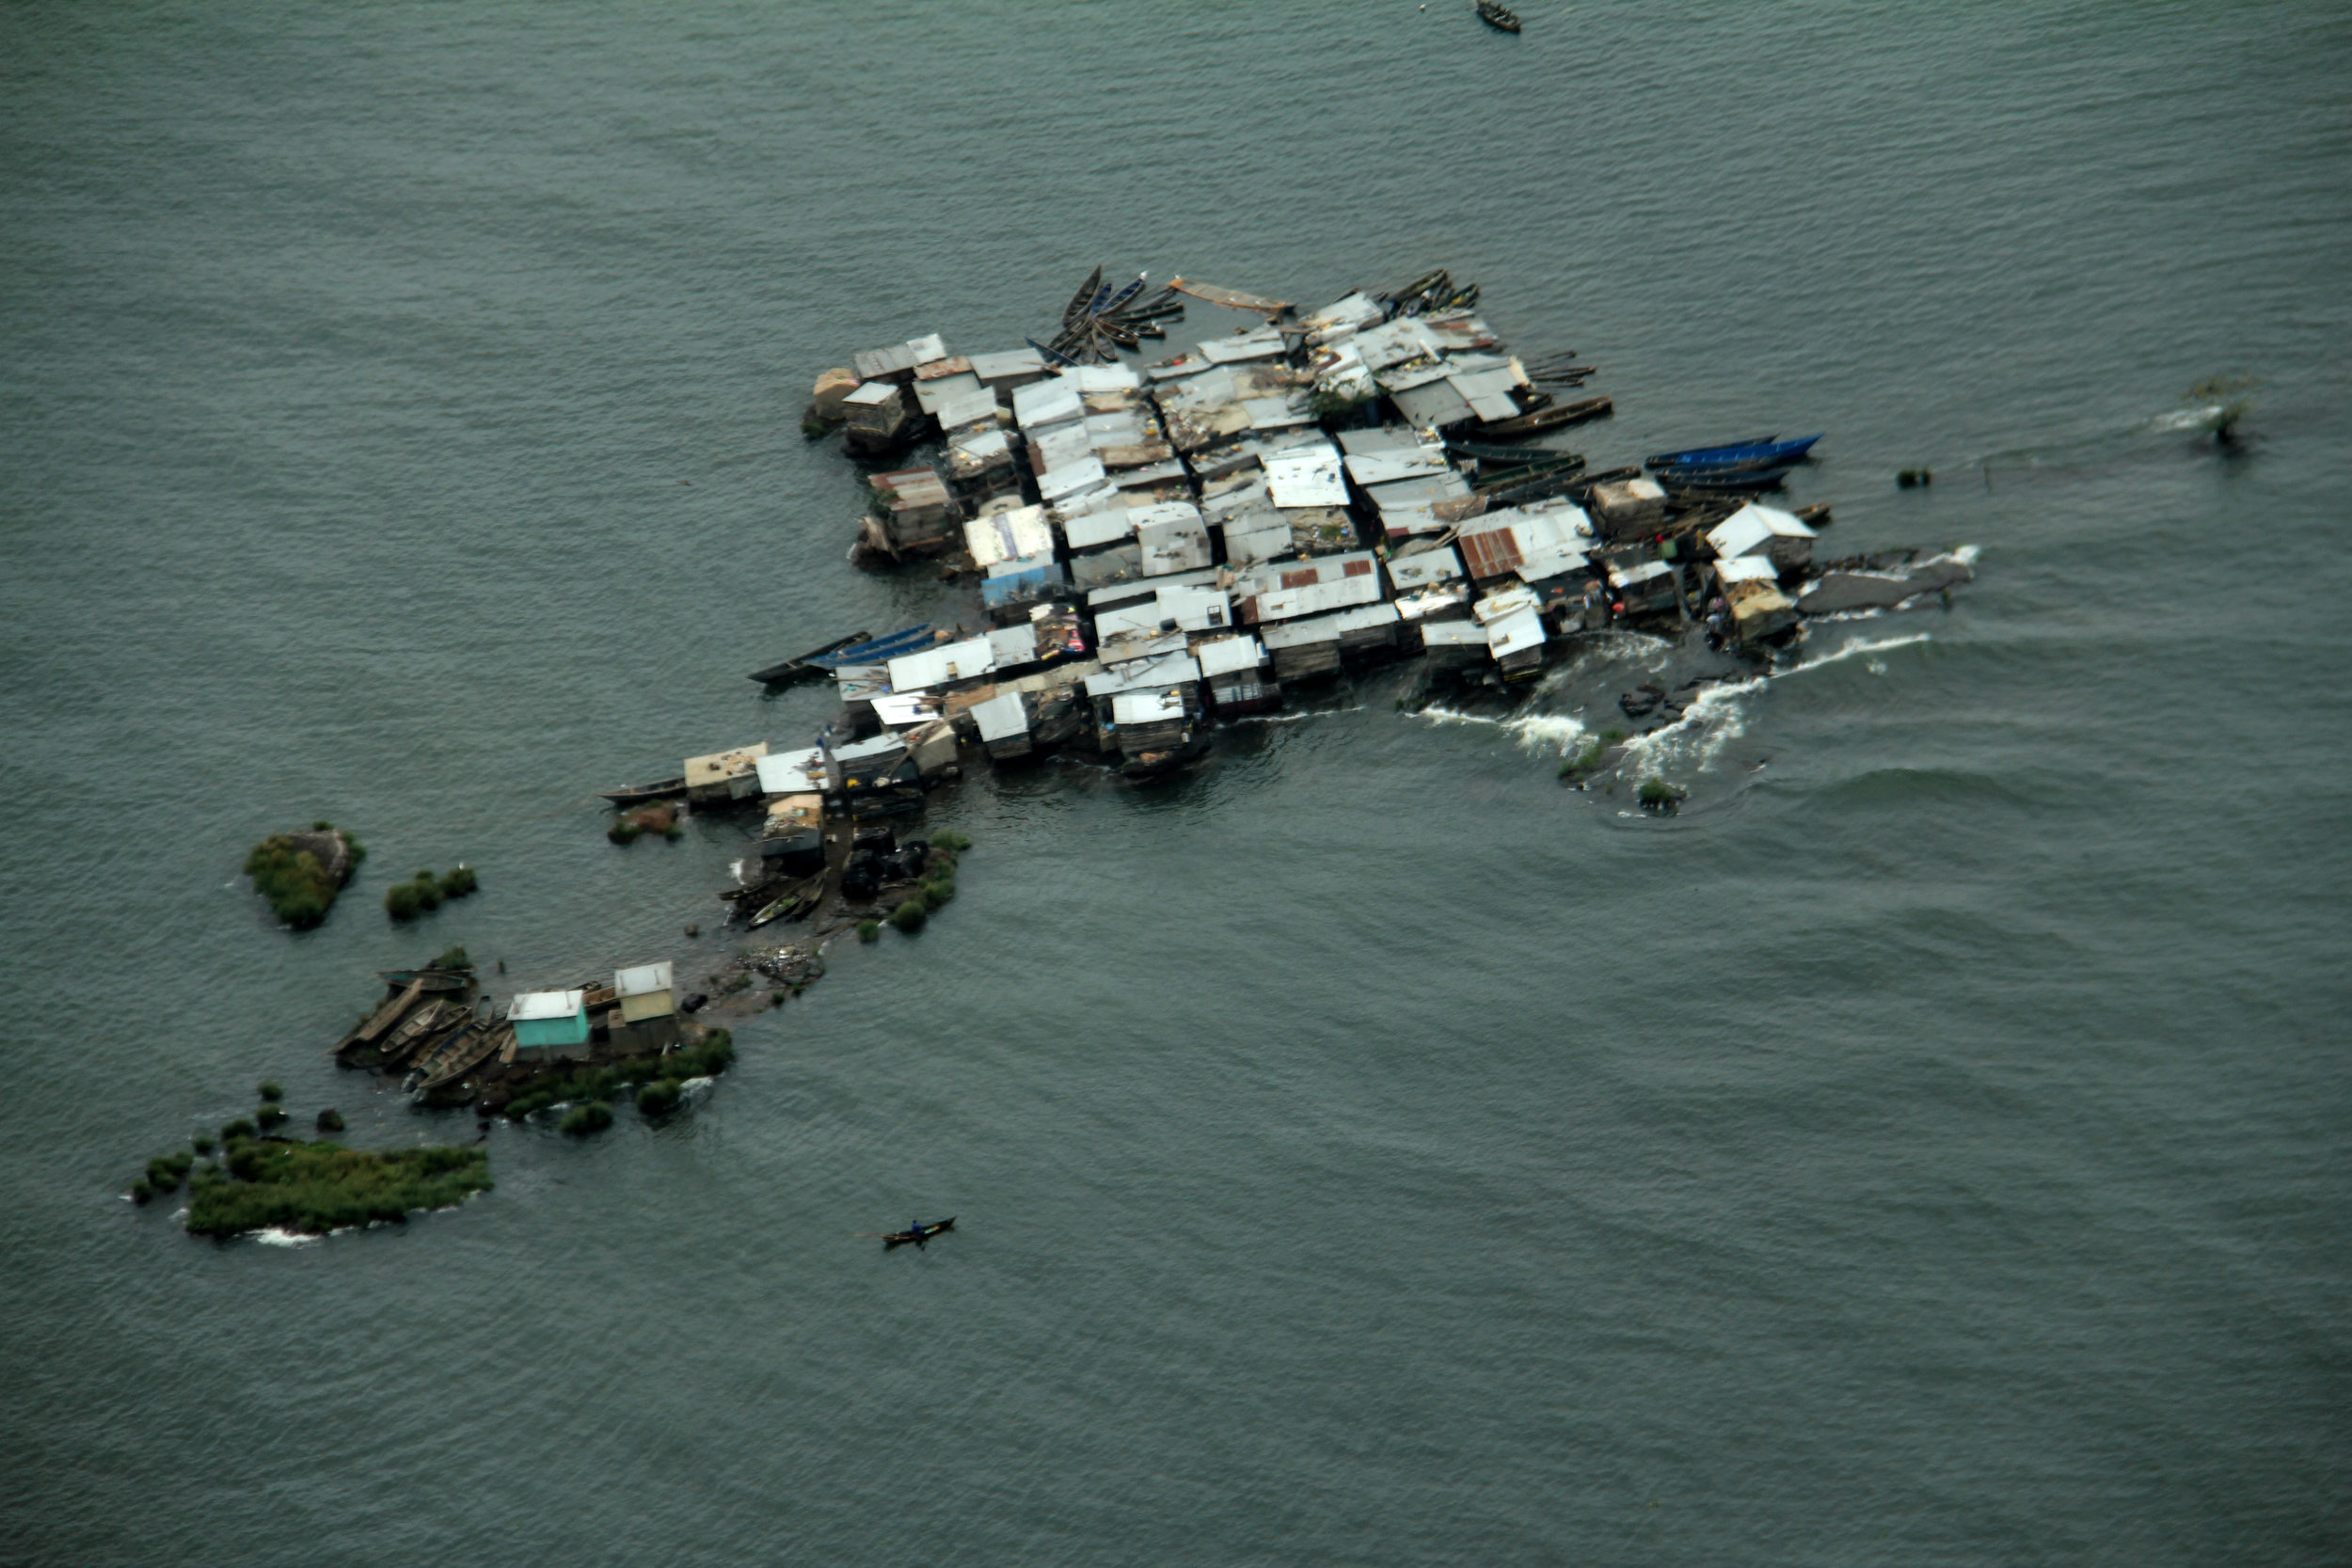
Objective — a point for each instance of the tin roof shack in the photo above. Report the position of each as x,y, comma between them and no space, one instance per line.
1515,632
825,397
981,467
918,516
1765,531
1306,649
792,839
1629,509
1645,588
1551,537
1751,590
1172,538
550,1025
1455,648
1234,670
878,420
1005,373
723,778
1016,534
946,665
1287,590
873,778
1003,723
1429,585
1147,722
647,1008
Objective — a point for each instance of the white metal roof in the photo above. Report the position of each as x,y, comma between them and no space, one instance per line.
1424,567
1105,378
1105,525
929,395
1745,568
644,980
1168,670
1070,477
1012,362
976,406
899,709
1225,655
1315,597
1497,606
1174,544
1438,633
1014,645
1301,633
1516,633
1306,478
791,773
1489,393
1625,577
1045,403
1383,467
1752,527
1002,717
1193,609
1548,560
872,393
926,349
1008,536
529,1004
1147,707
1060,445
1260,343
956,661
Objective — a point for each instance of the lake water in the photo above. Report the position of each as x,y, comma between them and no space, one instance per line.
1932,1146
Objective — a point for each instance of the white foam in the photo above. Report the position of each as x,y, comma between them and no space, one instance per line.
1294,718
276,1237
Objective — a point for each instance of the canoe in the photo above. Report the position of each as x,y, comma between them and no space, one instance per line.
1764,448
1077,305
881,650
638,795
793,669
1505,455
1500,17
1121,297
1543,419
1056,356
1723,481
917,1234
465,1058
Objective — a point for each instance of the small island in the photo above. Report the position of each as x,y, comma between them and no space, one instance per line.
300,874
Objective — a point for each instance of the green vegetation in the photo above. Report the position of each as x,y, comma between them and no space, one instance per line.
271,1090
910,916
317,1187
869,930
267,1116
141,1192
951,841
707,1060
330,1120
635,823
164,1172
201,1144
452,957
623,830
230,1132
1658,795
581,1121
1589,757
296,885
459,882
424,893
659,1098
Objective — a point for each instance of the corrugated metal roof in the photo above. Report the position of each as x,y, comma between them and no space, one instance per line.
897,710
922,351
1364,617
1009,536
1070,477
1496,606
1315,598
993,368
1002,717
1089,528
1753,526
876,362
1306,478
1050,401
1154,473
1448,633
872,394
1264,342
1487,392
1175,541
1147,707
1301,634
1744,568
1225,655
1550,560
644,980
1276,413
977,406
1192,608
1398,463
1013,645
1424,567
529,1004
1106,378
717,766
1625,577
1515,633
929,394
1172,669
791,773
1434,406
956,661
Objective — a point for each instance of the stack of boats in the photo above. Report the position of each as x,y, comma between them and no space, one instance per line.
433,1030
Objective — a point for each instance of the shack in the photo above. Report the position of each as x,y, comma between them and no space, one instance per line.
1766,531
1233,670
550,1025
723,778
1751,589
1003,723
879,420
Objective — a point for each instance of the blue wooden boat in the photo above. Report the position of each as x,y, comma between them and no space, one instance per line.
879,651
1763,450
1053,356
1721,481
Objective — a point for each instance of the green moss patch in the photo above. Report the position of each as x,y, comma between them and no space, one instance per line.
317,1187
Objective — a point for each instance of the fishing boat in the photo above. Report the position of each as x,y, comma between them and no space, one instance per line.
1724,481
881,650
1762,450
1510,455
1077,305
1542,419
455,1060
917,1233
646,794
1151,765
794,669
1500,17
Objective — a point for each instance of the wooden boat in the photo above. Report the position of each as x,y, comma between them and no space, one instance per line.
1498,16
1763,449
644,794
1077,305
881,650
918,1233
1563,468
418,1040
794,902
794,669
1054,355
1723,481
1151,765
463,1056
1485,454
1542,419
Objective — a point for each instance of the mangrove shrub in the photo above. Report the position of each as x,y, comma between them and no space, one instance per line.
581,1121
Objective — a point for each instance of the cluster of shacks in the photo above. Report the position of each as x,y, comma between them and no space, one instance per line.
1158,547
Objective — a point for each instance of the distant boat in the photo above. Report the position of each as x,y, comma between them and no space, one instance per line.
918,1234
1725,481
1496,16
646,794
793,669
1764,449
